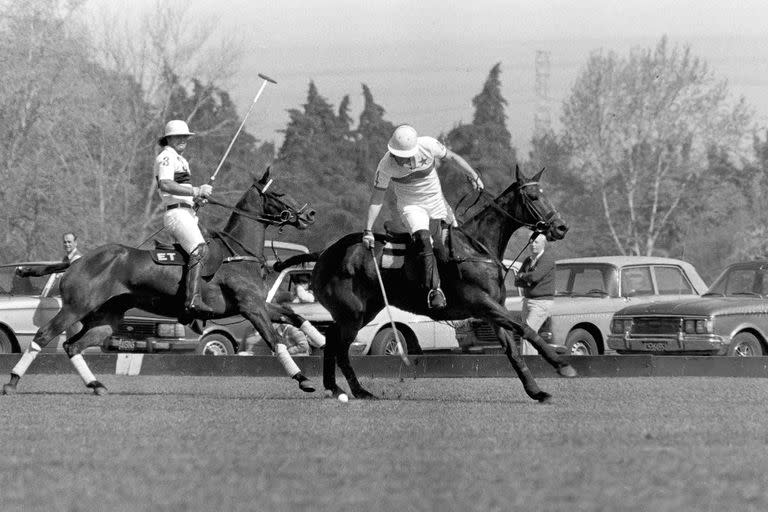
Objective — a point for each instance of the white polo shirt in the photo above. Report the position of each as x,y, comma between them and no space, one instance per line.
417,182
169,165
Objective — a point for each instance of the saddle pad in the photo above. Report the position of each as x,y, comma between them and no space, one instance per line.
393,255
167,257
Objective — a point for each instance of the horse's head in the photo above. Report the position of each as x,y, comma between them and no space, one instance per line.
274,207
533,210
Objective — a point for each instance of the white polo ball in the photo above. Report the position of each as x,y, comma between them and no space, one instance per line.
343,398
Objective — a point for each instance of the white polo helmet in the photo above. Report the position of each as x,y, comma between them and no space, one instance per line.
404,141
175,127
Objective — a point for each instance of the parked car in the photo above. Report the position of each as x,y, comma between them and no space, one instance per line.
26,304
420,333
589,290
730,319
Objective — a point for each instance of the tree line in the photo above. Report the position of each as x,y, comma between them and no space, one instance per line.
653,155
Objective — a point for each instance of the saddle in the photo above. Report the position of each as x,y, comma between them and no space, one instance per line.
173,254
398,244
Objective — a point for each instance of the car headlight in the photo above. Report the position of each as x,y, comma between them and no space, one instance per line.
174,330
621,325
698,326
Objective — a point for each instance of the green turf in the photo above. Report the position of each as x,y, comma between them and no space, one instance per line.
175,443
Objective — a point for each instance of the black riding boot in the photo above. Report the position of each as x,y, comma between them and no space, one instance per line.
430,276
194,303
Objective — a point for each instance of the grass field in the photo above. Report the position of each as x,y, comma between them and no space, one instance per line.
202,443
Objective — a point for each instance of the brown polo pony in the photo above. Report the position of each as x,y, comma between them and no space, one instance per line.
100,287
345,282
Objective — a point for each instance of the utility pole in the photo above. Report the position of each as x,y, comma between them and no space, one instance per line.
542,118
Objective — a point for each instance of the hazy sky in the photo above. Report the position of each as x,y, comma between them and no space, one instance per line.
370,21
424,60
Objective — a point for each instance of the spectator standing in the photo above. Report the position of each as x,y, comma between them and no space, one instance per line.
71,252
537,279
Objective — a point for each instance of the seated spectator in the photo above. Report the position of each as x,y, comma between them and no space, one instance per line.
301,289
290,337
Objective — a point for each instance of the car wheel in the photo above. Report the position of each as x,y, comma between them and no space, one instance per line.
215,345
745,344
581,343
385,343
5,343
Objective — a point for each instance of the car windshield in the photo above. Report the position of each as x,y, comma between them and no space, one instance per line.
742,280
585,280
11,284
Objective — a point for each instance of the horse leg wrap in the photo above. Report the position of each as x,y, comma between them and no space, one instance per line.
316,339
27,357
291,368
82,368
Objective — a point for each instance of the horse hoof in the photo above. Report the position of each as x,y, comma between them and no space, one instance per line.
567,371
306,386
542,397
338,395
98,388
365,395
9,389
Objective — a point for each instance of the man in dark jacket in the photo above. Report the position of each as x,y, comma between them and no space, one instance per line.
537,279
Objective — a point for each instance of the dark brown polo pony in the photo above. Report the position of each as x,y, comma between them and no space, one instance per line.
98,288
344,280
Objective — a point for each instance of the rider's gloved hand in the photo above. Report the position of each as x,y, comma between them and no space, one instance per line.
368,239
477,184
205,191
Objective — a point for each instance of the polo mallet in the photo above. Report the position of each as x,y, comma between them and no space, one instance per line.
400,350
265,79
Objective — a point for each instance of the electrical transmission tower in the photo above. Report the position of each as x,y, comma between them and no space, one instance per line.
542,118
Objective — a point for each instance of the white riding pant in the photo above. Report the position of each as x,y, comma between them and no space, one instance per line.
535,312
182,223
416,216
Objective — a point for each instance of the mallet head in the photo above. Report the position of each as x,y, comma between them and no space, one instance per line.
265,77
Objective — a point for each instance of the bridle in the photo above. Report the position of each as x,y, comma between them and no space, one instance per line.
288,215
529,206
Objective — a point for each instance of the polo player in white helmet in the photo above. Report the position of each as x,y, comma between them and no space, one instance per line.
178,195
410,166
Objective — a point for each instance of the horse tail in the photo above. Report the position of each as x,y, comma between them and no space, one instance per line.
296,260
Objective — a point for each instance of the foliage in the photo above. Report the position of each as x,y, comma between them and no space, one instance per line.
645,141
641,129
319,155
485,144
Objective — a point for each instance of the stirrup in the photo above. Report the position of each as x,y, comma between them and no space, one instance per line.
196,305
436,299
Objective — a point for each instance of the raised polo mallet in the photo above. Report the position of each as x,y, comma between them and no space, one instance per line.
400,350
265,79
